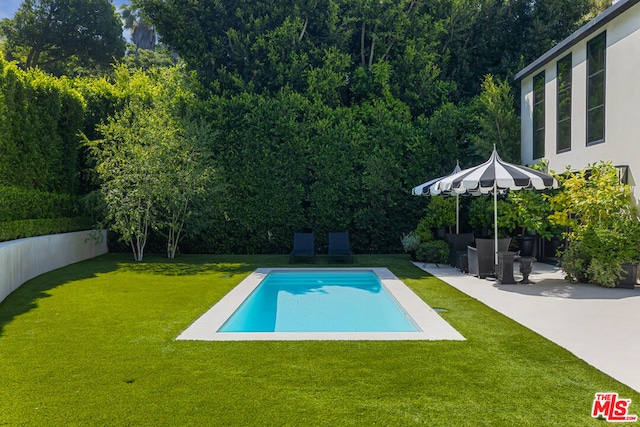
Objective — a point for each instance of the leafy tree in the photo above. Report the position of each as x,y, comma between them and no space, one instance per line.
591,195
366,49
441,213
597,8
498,124
422,53
150,162
602,223
124,164
59,35
500,37
146,59
184,178
447,133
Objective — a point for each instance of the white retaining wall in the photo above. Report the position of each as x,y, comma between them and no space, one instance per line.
23,259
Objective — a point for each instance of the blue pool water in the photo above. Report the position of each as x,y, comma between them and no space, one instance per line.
319,301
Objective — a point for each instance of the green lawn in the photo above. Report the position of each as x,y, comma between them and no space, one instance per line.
93,344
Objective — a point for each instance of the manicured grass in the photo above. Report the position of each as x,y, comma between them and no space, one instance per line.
93,344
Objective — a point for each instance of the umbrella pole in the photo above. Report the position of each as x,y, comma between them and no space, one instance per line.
457,214
495,221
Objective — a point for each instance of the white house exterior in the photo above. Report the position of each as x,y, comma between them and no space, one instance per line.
586,106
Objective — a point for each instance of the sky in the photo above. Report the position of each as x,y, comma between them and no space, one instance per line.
9,7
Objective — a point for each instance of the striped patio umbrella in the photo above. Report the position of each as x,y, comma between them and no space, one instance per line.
492,177
423,190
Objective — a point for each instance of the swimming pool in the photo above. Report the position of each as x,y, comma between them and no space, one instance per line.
371,292
319,301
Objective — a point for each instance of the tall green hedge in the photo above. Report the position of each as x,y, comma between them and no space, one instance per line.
20,204
289,164
40,120
11,230
27,213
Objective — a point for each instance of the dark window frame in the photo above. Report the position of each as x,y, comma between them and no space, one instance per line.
593,76
539,112
564,77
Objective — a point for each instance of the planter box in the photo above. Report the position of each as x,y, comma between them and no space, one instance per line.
505,268
629,277
526,244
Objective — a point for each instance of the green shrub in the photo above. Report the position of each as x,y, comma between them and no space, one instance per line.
604,272
575,263
481,212
40,119
434,251
441,213
423,231
20,203
609,245
410,241
12,230
92,205
604,231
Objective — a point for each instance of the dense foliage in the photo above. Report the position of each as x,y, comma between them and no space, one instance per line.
604,230
423,49
26,213
288,164
12,230
150,164
60,35
328,112
19,203
40,118
316,115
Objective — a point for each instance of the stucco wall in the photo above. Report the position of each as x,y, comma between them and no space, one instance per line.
622,103
22,260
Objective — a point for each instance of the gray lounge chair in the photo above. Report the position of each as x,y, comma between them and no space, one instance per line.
303,247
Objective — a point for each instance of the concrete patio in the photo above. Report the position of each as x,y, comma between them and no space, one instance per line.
599,325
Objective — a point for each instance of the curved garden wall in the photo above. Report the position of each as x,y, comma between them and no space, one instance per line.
23,259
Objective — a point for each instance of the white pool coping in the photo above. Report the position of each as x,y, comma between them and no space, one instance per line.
432,326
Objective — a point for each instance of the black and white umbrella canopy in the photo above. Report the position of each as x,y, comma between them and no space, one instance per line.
423,189
493,175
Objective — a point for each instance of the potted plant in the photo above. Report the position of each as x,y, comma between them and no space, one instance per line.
530,211
440,215
574,262
598,212
614,250
410,244
481,215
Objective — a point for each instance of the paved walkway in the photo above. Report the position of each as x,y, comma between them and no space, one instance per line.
599,325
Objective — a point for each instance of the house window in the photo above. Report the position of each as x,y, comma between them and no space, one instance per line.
596,49
563,134
538,116
623,174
